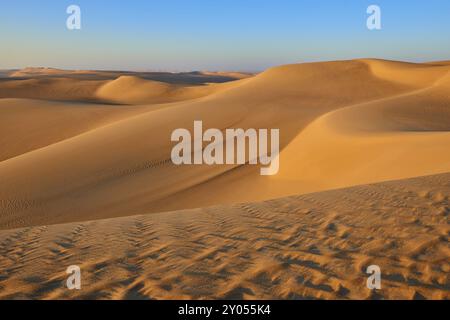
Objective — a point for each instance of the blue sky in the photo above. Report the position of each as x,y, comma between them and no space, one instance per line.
246,35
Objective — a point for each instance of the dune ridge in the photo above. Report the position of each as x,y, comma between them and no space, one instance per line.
135,90
369,114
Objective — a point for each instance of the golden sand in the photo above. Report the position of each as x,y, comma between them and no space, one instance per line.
76,149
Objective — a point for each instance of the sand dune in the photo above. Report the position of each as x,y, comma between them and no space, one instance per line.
79,146
41,71
301,247
59,89
393,138
125,89
27,125
127,154
235,75
134,90
194,77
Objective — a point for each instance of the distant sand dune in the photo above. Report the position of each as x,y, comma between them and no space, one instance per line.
41,71
134,90
60,89
27,125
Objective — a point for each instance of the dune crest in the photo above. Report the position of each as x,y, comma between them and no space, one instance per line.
134,90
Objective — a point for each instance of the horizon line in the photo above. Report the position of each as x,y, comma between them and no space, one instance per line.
217,70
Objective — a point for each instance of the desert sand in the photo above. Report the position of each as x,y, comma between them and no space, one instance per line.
86,178
301,247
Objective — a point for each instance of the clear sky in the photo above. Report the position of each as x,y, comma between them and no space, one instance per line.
246,35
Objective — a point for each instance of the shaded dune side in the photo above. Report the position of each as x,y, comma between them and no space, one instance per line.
388,139
60,89
314,246
134,90
124,167
415,75
27,125
114,88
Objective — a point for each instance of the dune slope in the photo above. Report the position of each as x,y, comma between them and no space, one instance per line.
342,123
300,247
135,90
387,139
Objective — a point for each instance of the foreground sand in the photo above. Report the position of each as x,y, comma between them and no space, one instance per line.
301,247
